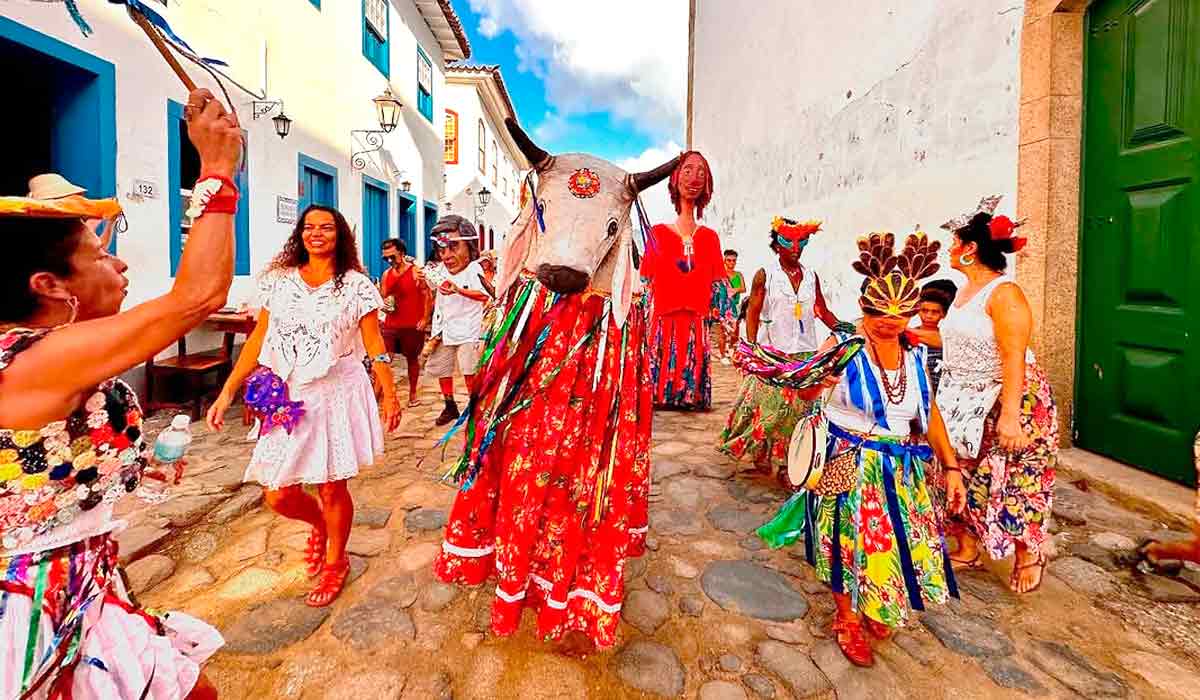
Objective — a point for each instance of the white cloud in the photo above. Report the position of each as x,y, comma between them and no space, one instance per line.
656,199
626,57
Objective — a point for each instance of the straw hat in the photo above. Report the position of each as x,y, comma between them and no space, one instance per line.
52,186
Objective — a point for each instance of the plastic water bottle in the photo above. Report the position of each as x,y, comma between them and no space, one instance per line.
169,448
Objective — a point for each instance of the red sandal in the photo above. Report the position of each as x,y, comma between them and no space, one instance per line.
848,632
314,552
329,586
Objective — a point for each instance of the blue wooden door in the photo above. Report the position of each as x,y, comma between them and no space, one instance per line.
406,221
431,217
318,189
375,225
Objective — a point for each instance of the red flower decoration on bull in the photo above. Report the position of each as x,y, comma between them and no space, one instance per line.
583,183
267,397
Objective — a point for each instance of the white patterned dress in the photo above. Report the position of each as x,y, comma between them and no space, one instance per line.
313,343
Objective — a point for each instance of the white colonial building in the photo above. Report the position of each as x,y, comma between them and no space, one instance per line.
106,111
480,154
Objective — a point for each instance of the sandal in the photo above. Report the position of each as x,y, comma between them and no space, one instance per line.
877,629
314,552
329,586
1040,562
848,632
972,563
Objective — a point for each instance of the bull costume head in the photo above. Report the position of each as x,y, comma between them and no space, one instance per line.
575,233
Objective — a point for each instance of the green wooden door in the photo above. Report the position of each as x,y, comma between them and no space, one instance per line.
1139,358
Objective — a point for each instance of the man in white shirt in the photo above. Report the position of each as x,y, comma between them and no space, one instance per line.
458,309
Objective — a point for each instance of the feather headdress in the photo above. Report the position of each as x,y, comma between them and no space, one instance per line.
893,281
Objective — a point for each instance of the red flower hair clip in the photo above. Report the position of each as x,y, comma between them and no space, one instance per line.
1002,229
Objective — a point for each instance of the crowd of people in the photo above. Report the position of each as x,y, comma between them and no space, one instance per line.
936,430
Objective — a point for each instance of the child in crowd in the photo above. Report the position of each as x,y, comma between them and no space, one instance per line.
936,298
458,309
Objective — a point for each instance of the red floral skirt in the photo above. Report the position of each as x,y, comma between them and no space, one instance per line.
555,498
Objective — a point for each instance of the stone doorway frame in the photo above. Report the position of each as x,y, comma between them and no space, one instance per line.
1048,185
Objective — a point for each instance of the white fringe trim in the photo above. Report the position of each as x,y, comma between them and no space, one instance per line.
464,552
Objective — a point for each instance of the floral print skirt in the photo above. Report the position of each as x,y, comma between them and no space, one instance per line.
560,499
680,362
881,542
1009,495
759,428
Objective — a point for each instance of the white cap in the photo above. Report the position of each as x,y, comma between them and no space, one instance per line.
181,422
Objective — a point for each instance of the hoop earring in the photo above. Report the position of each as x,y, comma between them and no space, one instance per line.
966,260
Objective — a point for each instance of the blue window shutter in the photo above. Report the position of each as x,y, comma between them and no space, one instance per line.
375,47
316,3
424,97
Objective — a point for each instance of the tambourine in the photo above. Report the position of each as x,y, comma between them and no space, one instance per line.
806,451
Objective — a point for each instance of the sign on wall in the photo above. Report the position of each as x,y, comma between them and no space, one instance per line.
376,13
451,137
145,188
286,210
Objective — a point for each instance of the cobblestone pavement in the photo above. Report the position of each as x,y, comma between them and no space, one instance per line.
708,614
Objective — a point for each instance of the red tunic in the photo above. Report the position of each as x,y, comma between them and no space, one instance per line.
672,285
409,295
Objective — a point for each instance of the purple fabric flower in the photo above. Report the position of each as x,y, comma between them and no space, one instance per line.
267,397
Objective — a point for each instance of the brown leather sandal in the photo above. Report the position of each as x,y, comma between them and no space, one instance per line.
1040,562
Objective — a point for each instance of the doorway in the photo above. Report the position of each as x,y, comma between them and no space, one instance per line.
67,116
375,224
406,222
1139,324
318,183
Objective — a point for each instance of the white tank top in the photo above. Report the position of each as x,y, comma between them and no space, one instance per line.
841,411
970,353
782,328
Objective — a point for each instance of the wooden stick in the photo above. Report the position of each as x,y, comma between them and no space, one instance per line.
159,44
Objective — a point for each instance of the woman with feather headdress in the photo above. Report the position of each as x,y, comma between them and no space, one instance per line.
869,523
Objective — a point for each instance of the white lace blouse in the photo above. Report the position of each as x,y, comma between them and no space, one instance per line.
311,328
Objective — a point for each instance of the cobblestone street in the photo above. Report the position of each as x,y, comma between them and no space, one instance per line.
708,613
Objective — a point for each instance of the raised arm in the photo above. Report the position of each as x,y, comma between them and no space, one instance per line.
106,347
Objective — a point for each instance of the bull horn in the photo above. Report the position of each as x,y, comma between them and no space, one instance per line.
537,157
645,180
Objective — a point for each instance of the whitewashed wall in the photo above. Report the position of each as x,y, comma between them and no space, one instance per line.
502,210
869,115
313,62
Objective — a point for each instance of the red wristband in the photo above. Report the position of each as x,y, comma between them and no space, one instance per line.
222,204
226,183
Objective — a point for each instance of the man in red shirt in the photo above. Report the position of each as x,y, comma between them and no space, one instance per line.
407,305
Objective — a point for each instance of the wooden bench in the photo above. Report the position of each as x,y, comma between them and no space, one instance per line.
187,373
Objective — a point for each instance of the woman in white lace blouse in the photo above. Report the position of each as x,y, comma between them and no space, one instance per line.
997,404
318,319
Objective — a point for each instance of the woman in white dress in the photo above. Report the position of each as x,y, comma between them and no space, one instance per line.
998,407
318,319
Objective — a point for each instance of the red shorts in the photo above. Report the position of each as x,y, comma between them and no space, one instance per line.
404,341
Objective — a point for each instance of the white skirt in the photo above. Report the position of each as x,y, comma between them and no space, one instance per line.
339,432
120,652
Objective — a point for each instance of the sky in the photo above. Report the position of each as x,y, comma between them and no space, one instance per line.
607,78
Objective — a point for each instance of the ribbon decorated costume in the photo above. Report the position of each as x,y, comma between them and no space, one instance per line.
555,474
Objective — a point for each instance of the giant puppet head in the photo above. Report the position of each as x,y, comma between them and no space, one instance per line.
576,233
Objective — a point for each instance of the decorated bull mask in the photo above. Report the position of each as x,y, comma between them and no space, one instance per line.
585,238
